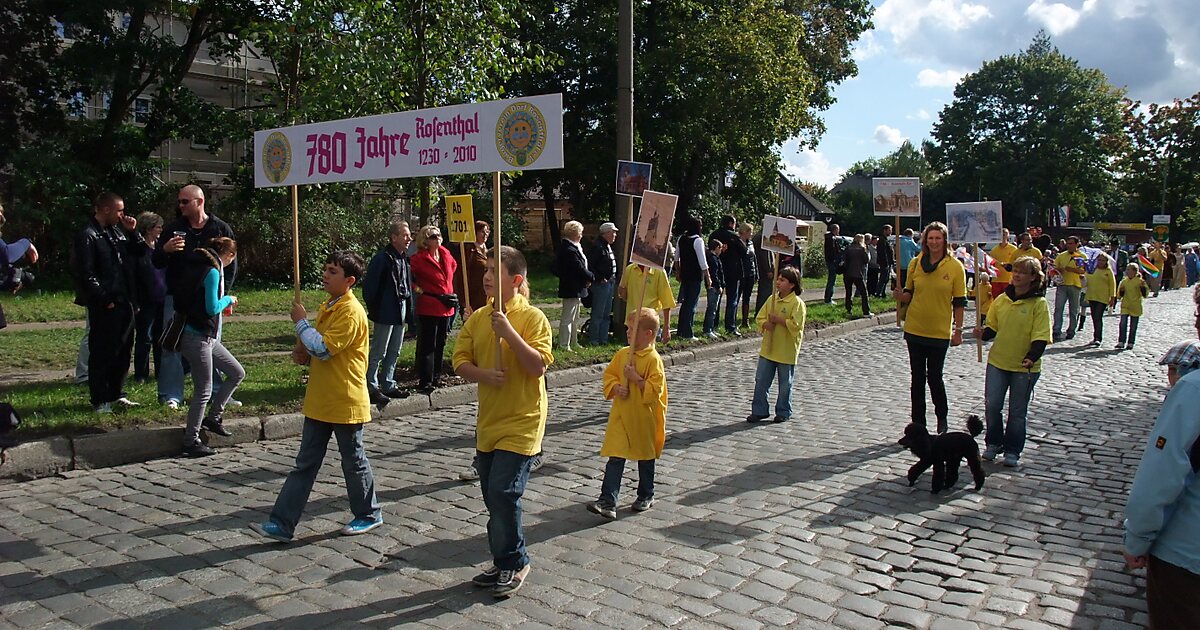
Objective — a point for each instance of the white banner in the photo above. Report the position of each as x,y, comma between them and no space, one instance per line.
779,234
512,135
896,196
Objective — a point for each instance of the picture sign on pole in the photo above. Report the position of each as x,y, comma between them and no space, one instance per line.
896,196
633,178
975,222
779,235
510,135
653,231
460,218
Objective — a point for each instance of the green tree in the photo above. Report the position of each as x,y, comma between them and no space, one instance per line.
1031,129
854,207
1160,165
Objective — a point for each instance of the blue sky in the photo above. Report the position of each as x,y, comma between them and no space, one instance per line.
919,49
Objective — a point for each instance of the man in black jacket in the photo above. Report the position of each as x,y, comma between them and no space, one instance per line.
886,258
731,264
105,266
834,249
574,278
602,261
193,229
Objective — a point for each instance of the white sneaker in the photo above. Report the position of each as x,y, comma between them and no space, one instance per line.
233,403
128,403
172,404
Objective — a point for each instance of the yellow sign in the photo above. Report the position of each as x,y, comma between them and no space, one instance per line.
460,218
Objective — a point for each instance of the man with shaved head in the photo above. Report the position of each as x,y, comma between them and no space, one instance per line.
193,229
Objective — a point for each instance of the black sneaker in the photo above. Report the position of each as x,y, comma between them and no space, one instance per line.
509,582
197,449
395,392
489,577
754,418
378,399
213,425
537,462
641,505
603,509
782,418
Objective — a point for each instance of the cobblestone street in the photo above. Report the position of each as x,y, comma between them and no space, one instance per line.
808,523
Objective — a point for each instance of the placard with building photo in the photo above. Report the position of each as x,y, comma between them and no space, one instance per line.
779,234
896,196
633,178
975,222
653,231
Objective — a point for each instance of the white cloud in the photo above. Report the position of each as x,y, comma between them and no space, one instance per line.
889,135
944,79
808,165
866,47
1152,47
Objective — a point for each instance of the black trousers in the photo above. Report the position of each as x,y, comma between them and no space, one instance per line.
853,284
927,362
1097,320
431,345
1171,596
110,342
747,289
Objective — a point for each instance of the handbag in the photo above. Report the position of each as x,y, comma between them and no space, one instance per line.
172,333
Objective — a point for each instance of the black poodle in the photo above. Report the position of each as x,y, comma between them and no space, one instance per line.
945,453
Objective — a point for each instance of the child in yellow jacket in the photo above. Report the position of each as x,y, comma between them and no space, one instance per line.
1101,293
1132,291
637,423
781,320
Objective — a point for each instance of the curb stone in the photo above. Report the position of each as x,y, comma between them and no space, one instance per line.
71,456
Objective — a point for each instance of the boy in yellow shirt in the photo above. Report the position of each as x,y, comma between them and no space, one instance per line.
781,321
637,423
658,293
512,409
335,403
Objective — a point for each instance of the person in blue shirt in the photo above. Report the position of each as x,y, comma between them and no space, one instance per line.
1163,513
909,247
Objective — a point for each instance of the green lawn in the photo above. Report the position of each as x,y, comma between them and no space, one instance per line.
59,306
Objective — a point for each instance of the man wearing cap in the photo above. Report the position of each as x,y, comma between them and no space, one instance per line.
603,263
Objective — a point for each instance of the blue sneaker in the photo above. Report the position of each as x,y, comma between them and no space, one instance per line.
271,530
361,526
1011,461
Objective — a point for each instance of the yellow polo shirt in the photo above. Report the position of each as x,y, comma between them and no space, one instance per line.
657,288
1004,253
782,343
931,312
512,417
1032,252
337,387
1101,285
1067,259
1017,324
637,425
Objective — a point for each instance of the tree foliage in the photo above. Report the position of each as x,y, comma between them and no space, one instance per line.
1160,166
1031,129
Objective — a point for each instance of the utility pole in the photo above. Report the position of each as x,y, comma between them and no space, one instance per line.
624,144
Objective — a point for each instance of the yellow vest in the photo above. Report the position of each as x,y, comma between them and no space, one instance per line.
1017,325
337,387
782,344
636,425
512,417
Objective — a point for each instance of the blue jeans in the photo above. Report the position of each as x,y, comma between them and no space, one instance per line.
1008,437
1066,296
614,469
767,371
689,298
602,301
712,312
170,380
830,282
733,290
502,478
360,482
385,346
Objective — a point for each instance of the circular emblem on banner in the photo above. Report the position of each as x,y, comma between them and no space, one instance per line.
521,134
277,157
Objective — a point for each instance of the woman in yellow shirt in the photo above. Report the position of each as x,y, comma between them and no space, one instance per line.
936,294
1101,294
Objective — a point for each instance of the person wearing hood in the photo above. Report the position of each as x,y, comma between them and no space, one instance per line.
202,299
1019,327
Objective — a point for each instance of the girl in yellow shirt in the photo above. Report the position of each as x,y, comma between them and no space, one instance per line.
781,321
1132,291
1101,293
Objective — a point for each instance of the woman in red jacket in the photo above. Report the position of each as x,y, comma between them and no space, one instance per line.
433,274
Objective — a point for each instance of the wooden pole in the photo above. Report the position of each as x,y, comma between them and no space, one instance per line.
896,231
498,270
637,320
775,262
465,298
978,307
296,240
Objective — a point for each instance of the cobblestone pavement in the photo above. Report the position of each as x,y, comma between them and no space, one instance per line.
807,524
